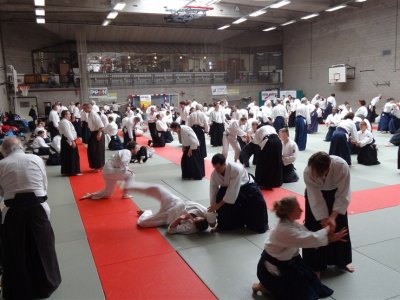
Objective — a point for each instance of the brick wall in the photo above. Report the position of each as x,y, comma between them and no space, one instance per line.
354,36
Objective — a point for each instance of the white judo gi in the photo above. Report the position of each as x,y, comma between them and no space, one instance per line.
172,207
116,169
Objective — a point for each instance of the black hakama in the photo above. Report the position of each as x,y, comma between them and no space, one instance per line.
394,124
42,151
142,152
279,123
127,139
328,110
269,163
296,280
69,158
292,120
159,139
329,134
398,158
78,127
301,133
168,137
372,114
384,122
249,150
216,133
96,151
193,166
31,268
199,131
85,132
313,127
153,130
289,174
115,143
335,254
368,155
249,210
53,130
339,145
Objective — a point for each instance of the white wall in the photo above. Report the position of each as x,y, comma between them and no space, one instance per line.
354,36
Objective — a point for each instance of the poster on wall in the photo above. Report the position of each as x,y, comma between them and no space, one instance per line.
145,101
269,95
219,90
98,92
284,94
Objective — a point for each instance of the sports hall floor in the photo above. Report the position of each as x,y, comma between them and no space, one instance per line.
102,254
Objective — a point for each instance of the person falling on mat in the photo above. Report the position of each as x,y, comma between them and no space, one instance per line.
116,169
181,216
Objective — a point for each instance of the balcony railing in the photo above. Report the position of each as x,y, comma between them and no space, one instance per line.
179,78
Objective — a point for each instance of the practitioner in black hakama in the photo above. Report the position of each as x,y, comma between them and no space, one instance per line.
69,154
217,128
236,198
269,172
96,143
327,180
192,162
30,266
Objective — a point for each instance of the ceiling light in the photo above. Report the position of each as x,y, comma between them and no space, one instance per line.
288,23
336,8
180,57
310,16
40,11
129,57
106,22
258,13
155,57
238,21
39,2
269,29
224,27
280,4
359,1
119,6
40,20
112,15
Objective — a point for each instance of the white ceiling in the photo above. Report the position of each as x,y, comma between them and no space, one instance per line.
143,20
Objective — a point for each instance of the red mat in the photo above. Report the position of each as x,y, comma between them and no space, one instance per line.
132,263
361,201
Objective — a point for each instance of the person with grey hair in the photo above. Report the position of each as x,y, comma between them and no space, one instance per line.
30,262
96,142
198,121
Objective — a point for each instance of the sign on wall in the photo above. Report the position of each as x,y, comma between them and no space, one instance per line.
284,94
219,90
145,101
98,92
269,95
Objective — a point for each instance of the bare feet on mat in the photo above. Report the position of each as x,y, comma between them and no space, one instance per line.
86,196
96,170
140,212
258,287
124,196
349,268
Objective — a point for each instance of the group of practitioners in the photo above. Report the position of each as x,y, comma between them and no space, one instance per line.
236,200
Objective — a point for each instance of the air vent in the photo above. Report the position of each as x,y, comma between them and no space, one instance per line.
386,52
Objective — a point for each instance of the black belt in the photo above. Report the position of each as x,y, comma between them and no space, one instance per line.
24,200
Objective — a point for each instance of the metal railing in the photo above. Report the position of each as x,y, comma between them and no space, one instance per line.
179,78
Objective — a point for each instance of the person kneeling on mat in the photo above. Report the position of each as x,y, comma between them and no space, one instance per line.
236,197
181,216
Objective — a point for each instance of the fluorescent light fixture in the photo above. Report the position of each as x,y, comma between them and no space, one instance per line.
238,21
40,11
224,27
112,15
288,23
310,16
269,29
119,6
336,8
359,1
106,23
258,13
39,2
280,4
40,20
